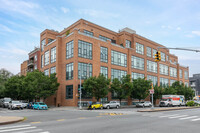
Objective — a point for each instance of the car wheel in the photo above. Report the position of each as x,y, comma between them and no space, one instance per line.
108,107
167,105
117,106
101,107
93,108
143,106
38,108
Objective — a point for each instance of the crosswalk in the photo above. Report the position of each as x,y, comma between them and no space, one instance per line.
175,116
21,129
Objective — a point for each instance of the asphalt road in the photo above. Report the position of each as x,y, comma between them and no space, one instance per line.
103,121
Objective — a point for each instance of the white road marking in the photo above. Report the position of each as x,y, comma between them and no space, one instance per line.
168,115
44,132
8,130
177,116
188,117
196,119
29,131
14,126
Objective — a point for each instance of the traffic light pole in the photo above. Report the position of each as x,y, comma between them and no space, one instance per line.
179,49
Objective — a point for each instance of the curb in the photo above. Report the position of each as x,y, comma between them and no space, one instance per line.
13,121
166,109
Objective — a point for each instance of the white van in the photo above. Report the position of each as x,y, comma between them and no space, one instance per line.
172,100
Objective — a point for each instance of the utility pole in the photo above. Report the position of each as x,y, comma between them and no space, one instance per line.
186,49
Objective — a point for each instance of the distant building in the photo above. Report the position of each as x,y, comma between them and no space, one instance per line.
195,83
86,49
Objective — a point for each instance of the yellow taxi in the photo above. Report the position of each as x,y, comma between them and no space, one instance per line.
95,105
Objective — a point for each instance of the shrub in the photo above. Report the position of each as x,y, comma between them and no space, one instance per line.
190,103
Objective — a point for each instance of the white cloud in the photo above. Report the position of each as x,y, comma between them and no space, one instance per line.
15,51
189,36
65,10
5,28
196,33
178,28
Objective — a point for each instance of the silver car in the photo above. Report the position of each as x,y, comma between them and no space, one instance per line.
111,104
15,105
144,104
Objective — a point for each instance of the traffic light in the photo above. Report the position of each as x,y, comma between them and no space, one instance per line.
157,56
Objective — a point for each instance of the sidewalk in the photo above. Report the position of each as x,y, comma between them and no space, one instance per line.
165,109
10,119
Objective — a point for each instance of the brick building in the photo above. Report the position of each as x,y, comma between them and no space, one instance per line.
87,49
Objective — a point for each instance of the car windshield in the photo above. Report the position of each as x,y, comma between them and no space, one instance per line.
141,102
15,102
7,99
41,104
95,103
164,99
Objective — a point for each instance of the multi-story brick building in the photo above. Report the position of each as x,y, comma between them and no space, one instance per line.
87,49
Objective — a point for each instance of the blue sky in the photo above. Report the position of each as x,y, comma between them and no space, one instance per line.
173,23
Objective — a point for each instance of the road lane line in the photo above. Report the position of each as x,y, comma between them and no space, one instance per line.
196,119
44,132
35,122
82,118
29,131
177,116
60,120
98,116
14,126
8,130
188,117
168,115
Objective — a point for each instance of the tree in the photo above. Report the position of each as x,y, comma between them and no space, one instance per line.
97,86
158,92
188,93
140,88
122,89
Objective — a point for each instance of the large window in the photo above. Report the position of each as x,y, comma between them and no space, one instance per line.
118,58
128,44
173,72
164,69
53,55
151,66
172,81
43,42
85,70
117,74
46,72
180,73
104,54
154,79
164,82
137,62
46,58
186,75
148,51
162,56
89,33
69,71
104,38
186,84
69,92
154,52
53,70
104,71
139,48
137,75
84,94
84,49
42,61
70,49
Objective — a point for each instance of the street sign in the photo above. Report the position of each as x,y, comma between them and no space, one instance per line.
151,91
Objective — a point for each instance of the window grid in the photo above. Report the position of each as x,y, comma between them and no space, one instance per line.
151,66
137,75
104,38
46,58
148,51
162,56
186,75
139,48
104,54
154,79
85,70
46,72
69,71
89,33
84,49
173,72
43,42
137,62
42,61
164,69
115,73
180,73
53,55
118,58
172,81
164,82
154,52
69,49
104,71
128,44
69,92
53,70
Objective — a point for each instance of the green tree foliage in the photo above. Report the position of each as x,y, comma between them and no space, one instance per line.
140,88
158,92
97,86
122,89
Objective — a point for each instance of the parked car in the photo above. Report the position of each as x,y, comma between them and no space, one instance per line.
15,105
111,104
144,104
30,105
40,105
95,105
24,103
5,101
